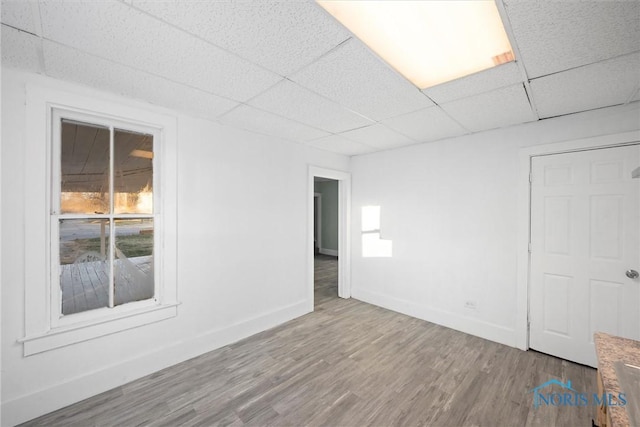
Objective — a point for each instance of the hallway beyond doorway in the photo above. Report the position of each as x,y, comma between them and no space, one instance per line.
325,279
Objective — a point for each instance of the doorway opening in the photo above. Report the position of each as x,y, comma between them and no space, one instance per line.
329,241
325,245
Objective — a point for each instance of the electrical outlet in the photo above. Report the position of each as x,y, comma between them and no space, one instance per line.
470,305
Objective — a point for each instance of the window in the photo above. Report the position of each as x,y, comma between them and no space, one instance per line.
100,215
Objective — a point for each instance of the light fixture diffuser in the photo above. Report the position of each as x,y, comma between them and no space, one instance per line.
428,42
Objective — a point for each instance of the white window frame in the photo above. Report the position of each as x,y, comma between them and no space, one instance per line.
59,114
45,327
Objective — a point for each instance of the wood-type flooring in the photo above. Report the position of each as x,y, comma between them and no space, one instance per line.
346,364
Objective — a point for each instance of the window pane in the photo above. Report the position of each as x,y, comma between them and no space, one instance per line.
84,264
133,264
133,172
84,168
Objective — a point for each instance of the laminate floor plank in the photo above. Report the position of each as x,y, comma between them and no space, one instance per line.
346,364
325,279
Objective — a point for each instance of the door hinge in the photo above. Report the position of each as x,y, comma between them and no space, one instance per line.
529,247
530,178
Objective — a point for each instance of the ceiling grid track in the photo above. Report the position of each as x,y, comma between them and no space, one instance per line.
502,9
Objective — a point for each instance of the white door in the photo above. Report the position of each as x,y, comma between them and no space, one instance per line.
584,238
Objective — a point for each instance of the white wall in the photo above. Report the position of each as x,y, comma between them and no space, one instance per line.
236,190
450,209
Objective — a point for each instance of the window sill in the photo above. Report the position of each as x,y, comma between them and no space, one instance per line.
67,335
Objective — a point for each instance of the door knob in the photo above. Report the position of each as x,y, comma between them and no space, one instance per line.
632,274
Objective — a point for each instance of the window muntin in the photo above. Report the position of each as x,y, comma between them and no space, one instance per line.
104,213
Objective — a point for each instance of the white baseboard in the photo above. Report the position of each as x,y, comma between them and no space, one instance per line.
331,252
472,326
43,401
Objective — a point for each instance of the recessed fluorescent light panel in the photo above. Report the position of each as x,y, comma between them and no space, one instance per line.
428,42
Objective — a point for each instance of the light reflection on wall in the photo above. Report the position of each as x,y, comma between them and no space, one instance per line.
370,218
372,244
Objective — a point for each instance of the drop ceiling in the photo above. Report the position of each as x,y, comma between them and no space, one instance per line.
289,70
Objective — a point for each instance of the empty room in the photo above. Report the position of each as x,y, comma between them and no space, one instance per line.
332,213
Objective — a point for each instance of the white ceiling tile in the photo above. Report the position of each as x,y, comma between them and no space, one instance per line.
378,136
227,48
499,108
585,88
281,36
19,14
354,77
340,145
115,31
557,35
426,125
295,102
484,81
69,64
246,117
20,49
